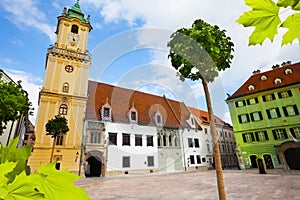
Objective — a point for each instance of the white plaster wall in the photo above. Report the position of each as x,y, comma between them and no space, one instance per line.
138,154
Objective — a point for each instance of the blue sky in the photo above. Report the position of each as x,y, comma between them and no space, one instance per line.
128,45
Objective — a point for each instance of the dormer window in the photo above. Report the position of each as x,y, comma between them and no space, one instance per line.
277,81
74,29
105,112
158,118
251,87
263,78
288,71
133,115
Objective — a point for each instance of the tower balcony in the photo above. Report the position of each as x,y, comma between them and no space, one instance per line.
56,51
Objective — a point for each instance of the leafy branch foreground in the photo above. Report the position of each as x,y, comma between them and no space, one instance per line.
48,183
264,16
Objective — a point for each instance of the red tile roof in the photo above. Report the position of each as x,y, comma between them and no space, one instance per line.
264,85
174,113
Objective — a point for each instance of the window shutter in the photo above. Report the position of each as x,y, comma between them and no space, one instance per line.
285,133
266,135
264,98
268,113
292,132
252,136
256,100
240,119
256,136
236,104
274,135
278,112
273,96
248,102
248,119
244,137
296,109
285,111
260,115
251,116
290,93
279,95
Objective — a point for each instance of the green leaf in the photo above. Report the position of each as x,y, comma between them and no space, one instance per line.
22,188
4,169
292,22
264,17
286,3
58,184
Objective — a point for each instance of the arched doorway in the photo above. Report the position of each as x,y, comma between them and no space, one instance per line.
94,164
292,157
253,161
268,161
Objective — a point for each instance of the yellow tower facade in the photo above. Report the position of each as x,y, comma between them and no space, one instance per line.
64,92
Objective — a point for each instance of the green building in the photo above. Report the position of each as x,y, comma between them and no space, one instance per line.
265,117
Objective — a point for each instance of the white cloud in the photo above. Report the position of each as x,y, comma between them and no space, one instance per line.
30,84
26,13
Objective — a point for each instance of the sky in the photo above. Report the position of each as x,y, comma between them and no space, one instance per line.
128,45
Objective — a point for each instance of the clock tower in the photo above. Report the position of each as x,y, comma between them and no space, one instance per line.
64,91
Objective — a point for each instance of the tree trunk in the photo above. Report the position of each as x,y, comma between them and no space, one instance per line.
218,164
53,146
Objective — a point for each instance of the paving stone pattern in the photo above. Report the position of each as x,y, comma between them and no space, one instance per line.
240,184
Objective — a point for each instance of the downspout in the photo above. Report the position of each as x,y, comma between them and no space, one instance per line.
82,146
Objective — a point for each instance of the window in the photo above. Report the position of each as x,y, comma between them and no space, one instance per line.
279,134
138,140
133,115
106,112
74,29
197,143
126,161
66,87
126,139
256,116
290,110
69,68
192,159
190,142
164,141
248,137
149,141
261,136
244,118
112,137
95,137
240,103
205,130
252,101
288,71
285,94
158,119
225,134
208,147
268,97
170,140
273,113
192,121
295,132
229,134
59,140
277,81
198,158
63,109
251,87
150,160
263,77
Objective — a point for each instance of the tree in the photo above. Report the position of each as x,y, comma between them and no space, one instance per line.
14,102
55,127
197,53
264,16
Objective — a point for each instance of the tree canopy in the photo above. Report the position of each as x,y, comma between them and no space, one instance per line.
201,51
57,126
13,102
264,16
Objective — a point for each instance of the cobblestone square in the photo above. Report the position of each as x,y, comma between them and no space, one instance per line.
249,184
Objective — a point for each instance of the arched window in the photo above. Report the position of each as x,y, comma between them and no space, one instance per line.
66,87
63,109
74,29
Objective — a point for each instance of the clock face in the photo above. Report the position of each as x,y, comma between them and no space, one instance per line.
74,38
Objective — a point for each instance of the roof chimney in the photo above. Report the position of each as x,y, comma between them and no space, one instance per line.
286,63
256,71
275,66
